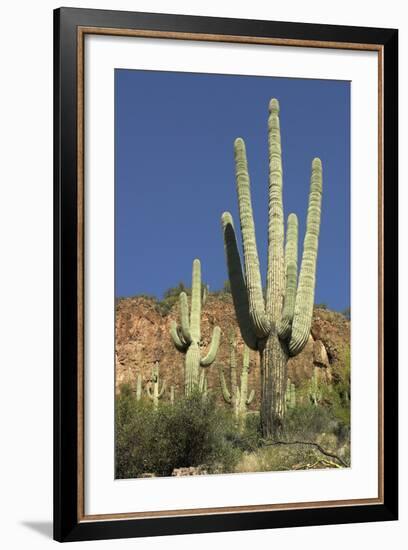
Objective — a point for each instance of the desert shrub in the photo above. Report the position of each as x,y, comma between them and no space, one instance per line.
309,421
341,394
306,422
192,432
278,458
249,437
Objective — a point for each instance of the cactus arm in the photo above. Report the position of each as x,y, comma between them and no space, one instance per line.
302,320
163,389
253,277
180,345
237,282
185,323
250,398
291,252
275,280
212,352
195,315
150,392
225,393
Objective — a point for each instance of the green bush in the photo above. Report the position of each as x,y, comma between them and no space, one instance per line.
307,422
192,432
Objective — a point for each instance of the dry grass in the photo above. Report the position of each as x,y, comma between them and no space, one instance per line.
277,458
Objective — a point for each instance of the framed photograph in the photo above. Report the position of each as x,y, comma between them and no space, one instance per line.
225,274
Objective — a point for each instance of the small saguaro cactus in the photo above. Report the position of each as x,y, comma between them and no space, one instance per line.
205,292
315,392
172,395
238,397
279,325
153,388
187,336
290,394
138,387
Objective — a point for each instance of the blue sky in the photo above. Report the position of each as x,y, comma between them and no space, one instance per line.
174,173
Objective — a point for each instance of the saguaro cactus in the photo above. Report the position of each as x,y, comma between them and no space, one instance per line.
138,387
238,397
315,392
153,389
187,336
279,325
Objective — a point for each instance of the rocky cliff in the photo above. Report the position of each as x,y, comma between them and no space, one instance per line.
142,339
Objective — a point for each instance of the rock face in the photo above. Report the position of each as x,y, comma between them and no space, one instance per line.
143,339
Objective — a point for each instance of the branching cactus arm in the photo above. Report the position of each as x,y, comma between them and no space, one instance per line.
184,318
163,389
302,319
291,253
213,349
250,397
225,392
237,282
178,342
261,324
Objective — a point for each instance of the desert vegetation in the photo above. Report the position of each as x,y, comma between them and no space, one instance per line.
197,435
223,423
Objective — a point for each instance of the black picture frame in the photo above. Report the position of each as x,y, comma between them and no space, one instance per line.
67,523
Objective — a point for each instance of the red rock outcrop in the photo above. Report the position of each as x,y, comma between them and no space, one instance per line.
142,338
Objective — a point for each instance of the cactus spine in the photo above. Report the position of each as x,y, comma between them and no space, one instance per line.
279,326
153,390
238,397
187,336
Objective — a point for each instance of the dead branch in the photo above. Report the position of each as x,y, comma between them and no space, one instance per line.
312,444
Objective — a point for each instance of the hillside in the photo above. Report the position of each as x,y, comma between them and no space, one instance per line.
142,338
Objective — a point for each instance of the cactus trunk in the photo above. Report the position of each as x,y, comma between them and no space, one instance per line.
192,368
274,361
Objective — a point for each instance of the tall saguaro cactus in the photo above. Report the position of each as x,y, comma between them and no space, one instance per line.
278,326
238,397
153,389
187,336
